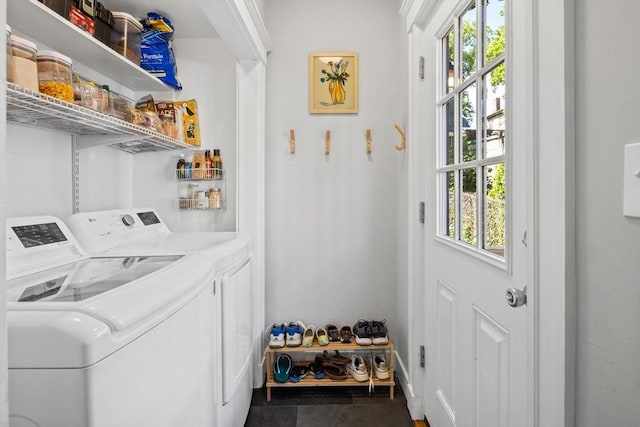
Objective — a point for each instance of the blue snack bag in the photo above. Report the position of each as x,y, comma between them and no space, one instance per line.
156,52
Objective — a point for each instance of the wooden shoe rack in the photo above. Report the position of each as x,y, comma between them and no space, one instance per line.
309,354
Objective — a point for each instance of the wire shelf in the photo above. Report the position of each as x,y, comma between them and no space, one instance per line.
30,108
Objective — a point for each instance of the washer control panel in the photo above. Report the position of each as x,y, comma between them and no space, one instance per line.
100,231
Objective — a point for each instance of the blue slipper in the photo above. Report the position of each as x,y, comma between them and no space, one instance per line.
282,368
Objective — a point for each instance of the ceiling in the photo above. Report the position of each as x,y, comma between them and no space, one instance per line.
185,15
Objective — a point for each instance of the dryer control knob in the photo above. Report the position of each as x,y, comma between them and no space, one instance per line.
128,220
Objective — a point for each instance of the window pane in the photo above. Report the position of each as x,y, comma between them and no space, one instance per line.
450,41
469,41
468,123
450,221
450,111
494,215
469,206
494,112
494,35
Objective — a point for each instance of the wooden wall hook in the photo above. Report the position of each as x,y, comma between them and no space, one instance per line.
368,141
327,142
292,141
403,138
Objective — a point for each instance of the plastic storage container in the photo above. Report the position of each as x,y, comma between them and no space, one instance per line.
81,15
25,67
87,94
54,75
119,106
9,56
104,23
125,37
61,7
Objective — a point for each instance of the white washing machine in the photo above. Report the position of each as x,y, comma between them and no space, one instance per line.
237,332
105,341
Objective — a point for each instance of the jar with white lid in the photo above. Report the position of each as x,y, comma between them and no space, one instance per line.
9,56
25,68
126,36
54,75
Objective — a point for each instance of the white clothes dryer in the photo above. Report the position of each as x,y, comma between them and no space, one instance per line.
104,341
237,332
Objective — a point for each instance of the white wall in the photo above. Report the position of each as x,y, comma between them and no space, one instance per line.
331,251
38,172
207,72
608,271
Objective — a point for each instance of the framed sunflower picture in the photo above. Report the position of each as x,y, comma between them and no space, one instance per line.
333,82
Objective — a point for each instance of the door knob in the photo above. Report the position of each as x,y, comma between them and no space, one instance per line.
516,297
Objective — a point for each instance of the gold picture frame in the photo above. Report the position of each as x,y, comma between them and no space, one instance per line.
333,82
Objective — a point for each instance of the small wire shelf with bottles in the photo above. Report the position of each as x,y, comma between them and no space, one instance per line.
203,203
200,174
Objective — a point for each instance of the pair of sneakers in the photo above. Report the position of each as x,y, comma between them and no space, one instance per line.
371,332
281,334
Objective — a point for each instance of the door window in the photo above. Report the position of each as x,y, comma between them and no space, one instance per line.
472,160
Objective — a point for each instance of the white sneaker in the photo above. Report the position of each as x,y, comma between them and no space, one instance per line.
276,336
380,367
294,333
358,369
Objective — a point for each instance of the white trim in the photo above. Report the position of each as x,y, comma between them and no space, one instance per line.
4,373
417,12
250,127
254,12
234,22
414,402
554,192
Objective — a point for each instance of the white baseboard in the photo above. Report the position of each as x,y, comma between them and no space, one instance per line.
414,402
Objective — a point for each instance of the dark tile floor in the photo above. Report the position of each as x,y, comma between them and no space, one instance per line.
328,407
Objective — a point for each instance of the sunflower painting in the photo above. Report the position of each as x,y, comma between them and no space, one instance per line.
333,82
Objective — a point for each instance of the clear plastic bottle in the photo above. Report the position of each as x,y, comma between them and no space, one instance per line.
188,167
208,164
215,198
218,173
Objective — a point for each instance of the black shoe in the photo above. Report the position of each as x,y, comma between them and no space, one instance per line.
362,331
379,332
345,334
333,333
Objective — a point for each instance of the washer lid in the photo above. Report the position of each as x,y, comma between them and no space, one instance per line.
84,279
118,301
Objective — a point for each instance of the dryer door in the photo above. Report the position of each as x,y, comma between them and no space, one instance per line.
237,327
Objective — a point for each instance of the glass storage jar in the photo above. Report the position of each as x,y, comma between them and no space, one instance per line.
9,56
54,75
25,68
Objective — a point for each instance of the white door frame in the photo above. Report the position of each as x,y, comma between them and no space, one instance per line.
551,324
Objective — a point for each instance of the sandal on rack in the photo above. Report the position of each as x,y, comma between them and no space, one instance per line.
297,373
335,371
282,368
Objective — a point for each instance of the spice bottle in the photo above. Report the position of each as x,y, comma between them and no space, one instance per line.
208,164
181,168
25,68
218,173
54,75
188,167
215,198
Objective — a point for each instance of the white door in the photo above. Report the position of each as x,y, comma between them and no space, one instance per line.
476,233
